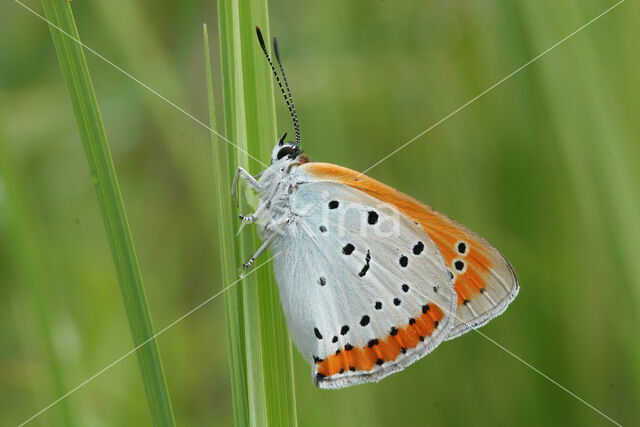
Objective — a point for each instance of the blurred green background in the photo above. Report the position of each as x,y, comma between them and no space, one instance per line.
546,167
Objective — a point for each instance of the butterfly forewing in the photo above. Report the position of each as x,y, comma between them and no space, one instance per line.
364,288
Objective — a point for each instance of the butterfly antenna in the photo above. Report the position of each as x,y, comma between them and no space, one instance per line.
292,111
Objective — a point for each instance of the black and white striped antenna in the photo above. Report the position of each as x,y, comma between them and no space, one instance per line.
294,113
288,98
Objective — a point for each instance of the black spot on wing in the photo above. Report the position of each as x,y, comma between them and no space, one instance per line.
404,261
462,248
418,248
372,218
367,264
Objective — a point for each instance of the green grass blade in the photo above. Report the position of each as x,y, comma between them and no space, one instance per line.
228,259
89,120
250,120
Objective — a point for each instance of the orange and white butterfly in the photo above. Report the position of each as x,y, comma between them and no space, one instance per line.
370,279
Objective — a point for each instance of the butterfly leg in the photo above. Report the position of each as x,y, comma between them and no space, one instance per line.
253,217
241,172
267,241
263,247
264,204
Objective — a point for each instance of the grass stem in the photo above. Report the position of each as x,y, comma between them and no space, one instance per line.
250,122
103,175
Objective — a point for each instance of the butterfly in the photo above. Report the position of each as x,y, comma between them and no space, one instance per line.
370,279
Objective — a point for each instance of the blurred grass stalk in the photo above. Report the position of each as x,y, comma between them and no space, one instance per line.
29,263
83,99
263,389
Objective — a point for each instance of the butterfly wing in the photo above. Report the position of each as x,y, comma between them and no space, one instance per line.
363,287
484,281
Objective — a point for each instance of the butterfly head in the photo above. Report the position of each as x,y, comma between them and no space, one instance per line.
286,151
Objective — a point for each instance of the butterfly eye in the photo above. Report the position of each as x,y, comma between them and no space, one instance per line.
286,151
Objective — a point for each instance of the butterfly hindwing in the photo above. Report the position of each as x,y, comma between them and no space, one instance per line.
484,281
363,287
